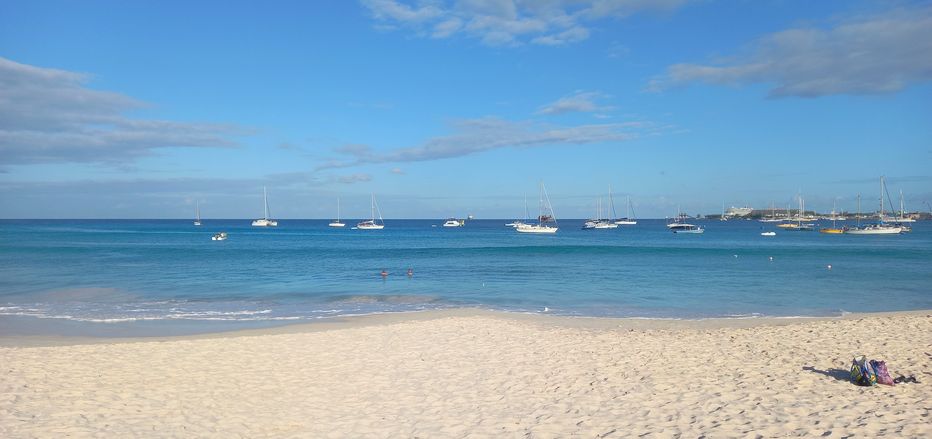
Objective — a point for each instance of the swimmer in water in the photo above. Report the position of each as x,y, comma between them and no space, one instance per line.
384,273
410,272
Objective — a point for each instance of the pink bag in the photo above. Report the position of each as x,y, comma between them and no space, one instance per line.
883,376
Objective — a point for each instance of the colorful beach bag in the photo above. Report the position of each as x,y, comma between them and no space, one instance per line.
880,369
862,373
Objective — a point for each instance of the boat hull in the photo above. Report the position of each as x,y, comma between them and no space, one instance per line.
264,223
536,229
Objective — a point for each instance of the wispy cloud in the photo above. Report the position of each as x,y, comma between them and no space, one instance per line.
354,178
866,55
581,101
508,22
472,136
397,171
50,116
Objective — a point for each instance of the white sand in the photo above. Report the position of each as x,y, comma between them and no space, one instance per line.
472,373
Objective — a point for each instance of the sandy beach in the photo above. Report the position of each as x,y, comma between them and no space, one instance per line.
478,373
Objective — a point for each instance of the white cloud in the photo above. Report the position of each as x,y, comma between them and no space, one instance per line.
508,22
397,171
354,178
581,101
49,116
472,136
866,55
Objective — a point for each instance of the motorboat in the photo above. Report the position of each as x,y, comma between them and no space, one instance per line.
453,222
768,233
222,236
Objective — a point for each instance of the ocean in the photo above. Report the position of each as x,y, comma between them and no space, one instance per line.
150,277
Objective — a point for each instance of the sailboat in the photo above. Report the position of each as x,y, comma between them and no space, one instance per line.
372,224
197,213
598,222
723,217
799,226
628,220
266,221
336,222
773,216
902,218
834,230
880,228
544,218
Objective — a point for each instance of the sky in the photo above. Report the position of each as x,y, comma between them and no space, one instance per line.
142,109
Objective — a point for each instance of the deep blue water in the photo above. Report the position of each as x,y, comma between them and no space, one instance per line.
168,270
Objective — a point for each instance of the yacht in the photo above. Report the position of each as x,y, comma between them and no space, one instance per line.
197,213
544,219
628,220
599,223
688,228
453,222
372,224
266,221
880,228
336,222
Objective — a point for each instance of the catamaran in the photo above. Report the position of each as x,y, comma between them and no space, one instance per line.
197,213
880,228
545,217
372,224
266,221
336,222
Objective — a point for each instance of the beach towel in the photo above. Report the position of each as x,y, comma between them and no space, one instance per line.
862,373
880,369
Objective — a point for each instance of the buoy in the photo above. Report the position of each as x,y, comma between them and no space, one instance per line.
829,266
771,259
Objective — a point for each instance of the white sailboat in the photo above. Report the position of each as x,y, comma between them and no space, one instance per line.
598,222
880,228
902,218
197,213
543,219
628,220
723,217
372,224
266,221
773,216
336,222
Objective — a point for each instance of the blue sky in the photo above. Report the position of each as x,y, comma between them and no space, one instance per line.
139,109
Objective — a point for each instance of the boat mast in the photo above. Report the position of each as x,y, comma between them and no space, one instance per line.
338,209
881,199
265,198
859,211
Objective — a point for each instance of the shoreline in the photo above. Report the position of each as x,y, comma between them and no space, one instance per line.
185,332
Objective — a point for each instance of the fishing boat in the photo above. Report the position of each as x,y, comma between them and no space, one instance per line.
545,217
336,222
834,230
197,213
598,222
372,224
266,220
628,220
453,222
879,228
222,236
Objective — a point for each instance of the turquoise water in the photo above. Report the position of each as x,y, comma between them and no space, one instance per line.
117,271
